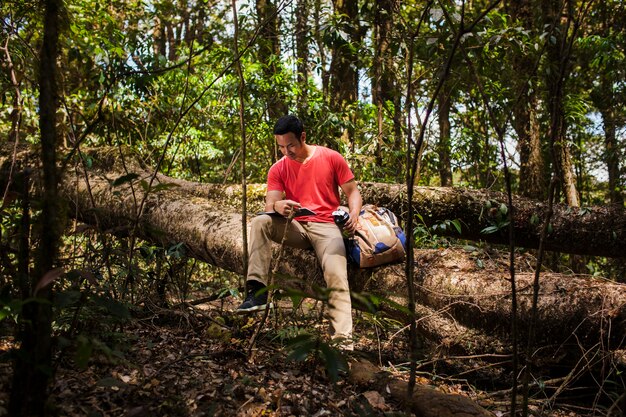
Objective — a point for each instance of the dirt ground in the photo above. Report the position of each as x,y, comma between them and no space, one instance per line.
197,361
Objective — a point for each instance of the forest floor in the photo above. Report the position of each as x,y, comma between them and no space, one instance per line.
195,362
194,359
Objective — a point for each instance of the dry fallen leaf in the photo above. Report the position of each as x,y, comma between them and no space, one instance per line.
376,400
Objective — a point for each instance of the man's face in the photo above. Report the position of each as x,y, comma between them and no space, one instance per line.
291,146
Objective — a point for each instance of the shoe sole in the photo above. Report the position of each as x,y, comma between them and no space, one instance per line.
253,309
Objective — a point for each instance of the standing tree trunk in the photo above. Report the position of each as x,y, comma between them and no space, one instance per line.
344,64
158,37
269,52
32,368
607,102
171,41
302,52
197,32
321,47
16,113
443,147
384,86
558,47
612,156
532,175
380,45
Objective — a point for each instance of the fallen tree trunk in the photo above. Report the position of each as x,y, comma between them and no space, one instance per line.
596,231
589,231
425,401
584,311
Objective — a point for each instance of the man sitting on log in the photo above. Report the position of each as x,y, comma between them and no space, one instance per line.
306,176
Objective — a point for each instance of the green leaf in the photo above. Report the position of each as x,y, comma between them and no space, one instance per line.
534,220
301,346
164,186
365,301
224,292
397,306
300,352
333,361
177,250
295,300
84,349
146,251
457,225
489,229
4,312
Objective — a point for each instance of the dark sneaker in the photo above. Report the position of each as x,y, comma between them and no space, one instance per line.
256,299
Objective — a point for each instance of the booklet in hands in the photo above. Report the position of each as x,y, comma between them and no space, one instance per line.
302,211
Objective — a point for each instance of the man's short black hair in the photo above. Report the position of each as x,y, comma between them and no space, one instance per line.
289,123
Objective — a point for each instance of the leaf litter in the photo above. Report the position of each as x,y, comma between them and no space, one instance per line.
194,362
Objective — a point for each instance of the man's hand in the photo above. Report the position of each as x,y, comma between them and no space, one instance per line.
286,207
352,222
355,202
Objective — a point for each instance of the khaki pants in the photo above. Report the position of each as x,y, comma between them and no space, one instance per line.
326,240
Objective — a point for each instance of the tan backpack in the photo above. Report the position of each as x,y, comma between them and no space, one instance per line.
378,238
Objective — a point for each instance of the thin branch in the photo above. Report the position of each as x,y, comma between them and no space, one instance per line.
270,286
536,287
410,180
242,126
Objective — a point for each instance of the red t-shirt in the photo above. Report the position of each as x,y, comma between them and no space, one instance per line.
314,184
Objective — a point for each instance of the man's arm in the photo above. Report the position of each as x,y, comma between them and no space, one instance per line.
274,202
355,202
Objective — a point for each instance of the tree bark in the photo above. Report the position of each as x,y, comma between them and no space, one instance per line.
533,179
269,55
33,363
532,175
607,100
444,146
596,230
343,70
302,52
385,92
425,401
559,61
606,104
344,66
